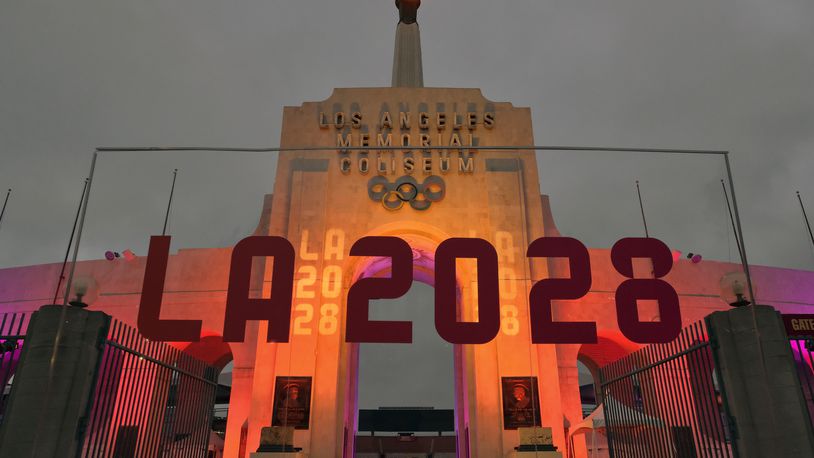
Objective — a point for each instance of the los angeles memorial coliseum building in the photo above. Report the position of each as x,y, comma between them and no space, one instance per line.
323,200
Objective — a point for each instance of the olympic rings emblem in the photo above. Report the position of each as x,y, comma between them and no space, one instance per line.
406,189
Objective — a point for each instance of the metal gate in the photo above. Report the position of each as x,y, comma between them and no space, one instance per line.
150,400
803,351
13,327
665,400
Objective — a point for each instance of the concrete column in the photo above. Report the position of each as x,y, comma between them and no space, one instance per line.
262,388
762,388
240,403
569,393
41,423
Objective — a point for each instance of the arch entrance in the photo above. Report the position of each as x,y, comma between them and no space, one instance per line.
423,241
324,201
218,354
406,392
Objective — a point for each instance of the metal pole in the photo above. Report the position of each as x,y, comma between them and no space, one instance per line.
3,212
70,242
732,220
805,217
744,260
79,230
725,154
169,204
641,207
399,148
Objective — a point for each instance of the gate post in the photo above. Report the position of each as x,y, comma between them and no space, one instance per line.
759,383
40,424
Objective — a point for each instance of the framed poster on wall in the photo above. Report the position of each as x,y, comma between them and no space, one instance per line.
292,402
521,402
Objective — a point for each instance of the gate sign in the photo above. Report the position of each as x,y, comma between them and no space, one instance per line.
799,325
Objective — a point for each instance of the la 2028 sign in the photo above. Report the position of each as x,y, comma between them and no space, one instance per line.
277,308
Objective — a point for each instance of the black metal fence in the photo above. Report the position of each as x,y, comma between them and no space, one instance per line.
150,400
13,327
803,351
665,401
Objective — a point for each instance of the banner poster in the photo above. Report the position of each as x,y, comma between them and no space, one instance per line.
292,402
521,402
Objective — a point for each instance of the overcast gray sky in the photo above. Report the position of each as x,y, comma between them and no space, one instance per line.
718,74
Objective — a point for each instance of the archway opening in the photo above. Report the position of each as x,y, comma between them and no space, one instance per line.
610,346
590,358
423,240
406,392
217,353
588,389
220,413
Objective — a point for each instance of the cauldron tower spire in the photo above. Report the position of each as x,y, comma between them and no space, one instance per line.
407,67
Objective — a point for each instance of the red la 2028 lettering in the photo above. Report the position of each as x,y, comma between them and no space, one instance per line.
276,309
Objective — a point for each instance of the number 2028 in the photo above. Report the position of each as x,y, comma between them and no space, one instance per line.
276,309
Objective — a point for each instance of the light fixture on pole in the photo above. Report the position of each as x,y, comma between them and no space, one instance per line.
733,289
80,289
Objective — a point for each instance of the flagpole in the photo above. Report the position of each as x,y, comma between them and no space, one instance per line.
805,217
169,204
641,207
3,212
70,241
84,212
